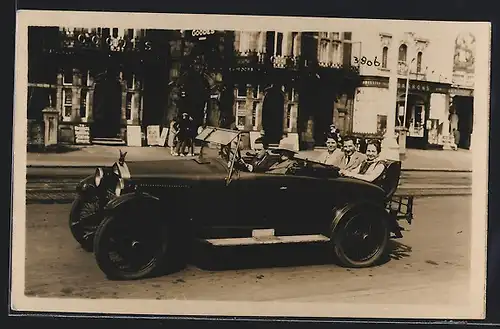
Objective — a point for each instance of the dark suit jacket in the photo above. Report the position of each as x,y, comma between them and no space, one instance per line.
355,161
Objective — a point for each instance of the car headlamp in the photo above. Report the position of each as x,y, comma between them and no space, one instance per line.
120,185
99,174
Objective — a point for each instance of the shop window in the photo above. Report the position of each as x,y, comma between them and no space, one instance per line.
84,103
385,52
403,49
128,108
67,103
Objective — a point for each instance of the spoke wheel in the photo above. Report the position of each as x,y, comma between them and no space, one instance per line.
84,219
361,238
128,247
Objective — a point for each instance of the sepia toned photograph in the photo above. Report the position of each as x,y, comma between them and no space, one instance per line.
217,165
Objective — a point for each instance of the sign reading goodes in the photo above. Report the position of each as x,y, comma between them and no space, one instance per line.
201,34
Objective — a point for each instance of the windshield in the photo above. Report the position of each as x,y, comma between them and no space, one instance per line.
224,144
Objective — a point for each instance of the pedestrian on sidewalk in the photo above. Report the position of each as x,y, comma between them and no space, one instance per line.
182,135
172,135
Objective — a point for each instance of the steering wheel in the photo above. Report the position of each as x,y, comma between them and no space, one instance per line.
239,160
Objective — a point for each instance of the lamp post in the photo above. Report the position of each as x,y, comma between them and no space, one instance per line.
403,129
390,147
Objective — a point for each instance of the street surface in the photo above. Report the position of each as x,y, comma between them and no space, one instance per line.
429,265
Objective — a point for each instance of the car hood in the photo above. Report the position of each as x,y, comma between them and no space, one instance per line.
188,168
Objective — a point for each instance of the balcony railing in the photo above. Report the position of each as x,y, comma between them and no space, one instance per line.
285,62
84,39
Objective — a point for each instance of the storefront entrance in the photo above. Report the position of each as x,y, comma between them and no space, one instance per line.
273,114
464,107
107,105
416,118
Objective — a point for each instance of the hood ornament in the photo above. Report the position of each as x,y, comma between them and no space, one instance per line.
121,160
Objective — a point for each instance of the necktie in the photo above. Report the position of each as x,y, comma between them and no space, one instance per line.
348,159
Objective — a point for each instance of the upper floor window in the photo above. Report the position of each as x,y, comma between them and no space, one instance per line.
419,62
403,49
278,44
68,76
115,33
385,51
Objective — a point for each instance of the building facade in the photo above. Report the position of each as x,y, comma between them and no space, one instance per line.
107,83
439,69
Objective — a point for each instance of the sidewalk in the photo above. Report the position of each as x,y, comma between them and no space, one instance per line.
97,155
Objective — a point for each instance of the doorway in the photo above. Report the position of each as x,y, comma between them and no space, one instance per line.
107,106
273,114
416,118
464,107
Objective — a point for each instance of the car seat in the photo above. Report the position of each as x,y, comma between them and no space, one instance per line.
389,179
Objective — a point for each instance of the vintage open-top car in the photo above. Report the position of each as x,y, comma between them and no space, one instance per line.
140,217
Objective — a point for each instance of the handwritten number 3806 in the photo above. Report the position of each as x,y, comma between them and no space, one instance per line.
365,61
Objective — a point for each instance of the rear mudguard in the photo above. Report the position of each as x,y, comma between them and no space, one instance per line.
339,214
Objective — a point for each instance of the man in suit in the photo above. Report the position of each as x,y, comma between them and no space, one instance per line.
351,158
287,163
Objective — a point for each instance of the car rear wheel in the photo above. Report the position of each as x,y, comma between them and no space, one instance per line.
360,237
84,218
127,247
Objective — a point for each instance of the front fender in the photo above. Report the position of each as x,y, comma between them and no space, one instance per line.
86,185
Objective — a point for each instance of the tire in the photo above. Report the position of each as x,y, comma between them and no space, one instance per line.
83,232
145,230
372,236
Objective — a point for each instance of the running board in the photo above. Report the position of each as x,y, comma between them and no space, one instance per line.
268,239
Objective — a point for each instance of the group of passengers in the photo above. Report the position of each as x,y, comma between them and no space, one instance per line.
343,155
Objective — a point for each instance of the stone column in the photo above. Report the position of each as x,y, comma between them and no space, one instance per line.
124,103
390,147
286,44
59,94
76,93
293,117
249,108
90,106
261,45
136,105
298,44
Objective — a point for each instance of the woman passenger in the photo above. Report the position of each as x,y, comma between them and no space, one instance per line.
370,169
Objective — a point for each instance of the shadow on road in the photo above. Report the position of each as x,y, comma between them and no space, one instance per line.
286,255
265,256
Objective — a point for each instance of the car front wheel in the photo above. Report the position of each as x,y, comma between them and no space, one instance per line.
128,248
84,218
360,237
